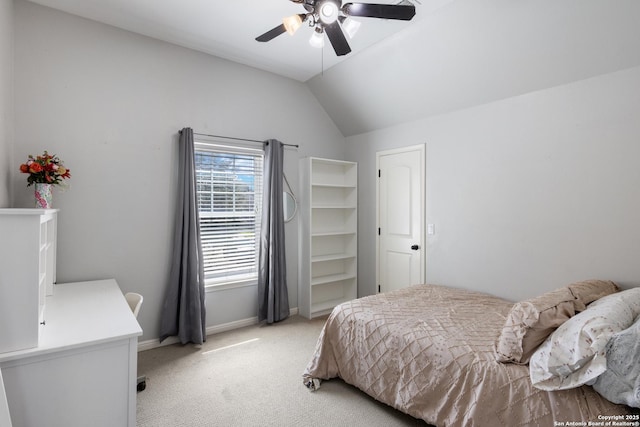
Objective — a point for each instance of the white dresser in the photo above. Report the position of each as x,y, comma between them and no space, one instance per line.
83,371
27,274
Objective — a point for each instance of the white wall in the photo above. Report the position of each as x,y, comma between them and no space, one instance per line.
527,194
110,104
473,52
6,100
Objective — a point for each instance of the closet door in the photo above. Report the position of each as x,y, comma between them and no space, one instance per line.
401,205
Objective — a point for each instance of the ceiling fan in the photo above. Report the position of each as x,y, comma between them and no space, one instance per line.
332,17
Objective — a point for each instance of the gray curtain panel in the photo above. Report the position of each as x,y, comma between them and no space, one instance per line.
183,312
273,298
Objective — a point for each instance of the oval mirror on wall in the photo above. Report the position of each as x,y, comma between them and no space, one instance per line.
290,206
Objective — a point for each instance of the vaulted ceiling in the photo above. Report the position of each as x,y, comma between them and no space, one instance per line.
474,52
228,29
454,54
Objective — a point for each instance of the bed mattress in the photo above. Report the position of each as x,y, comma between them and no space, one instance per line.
429,351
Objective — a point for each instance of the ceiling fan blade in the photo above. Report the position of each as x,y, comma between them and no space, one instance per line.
271,34
337,39
386,11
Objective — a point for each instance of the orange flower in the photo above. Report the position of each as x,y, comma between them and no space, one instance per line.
45,169
35,167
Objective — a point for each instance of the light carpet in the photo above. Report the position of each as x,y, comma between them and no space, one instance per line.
252,377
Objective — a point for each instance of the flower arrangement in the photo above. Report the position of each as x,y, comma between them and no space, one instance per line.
45,169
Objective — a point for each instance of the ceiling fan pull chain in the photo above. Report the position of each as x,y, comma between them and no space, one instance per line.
322,61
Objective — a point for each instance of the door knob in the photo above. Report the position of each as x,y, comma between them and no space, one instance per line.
415,247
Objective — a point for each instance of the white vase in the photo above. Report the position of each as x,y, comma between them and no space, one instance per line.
44,196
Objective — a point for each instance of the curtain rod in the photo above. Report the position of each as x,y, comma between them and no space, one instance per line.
240,139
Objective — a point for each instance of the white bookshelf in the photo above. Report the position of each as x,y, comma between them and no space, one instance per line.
27,274
328,235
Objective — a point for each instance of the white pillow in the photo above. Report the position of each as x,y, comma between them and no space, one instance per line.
574,354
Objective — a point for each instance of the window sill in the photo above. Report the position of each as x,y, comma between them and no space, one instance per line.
215,287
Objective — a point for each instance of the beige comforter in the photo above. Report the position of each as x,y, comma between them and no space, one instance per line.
429,352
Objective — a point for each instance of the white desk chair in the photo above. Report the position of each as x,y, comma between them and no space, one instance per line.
135,302
5,418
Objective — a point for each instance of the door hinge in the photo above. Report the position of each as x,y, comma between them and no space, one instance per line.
378,231
379,173
378,288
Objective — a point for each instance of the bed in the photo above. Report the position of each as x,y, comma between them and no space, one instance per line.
430,351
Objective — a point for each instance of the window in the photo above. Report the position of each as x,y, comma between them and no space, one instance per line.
229,193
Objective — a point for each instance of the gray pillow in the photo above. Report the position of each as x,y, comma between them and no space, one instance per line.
620,383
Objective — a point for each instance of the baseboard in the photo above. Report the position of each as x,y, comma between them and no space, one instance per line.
211,330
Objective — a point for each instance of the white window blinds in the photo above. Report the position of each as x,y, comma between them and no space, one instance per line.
229,192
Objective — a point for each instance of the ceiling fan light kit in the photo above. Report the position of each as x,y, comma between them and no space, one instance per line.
292,23
317,38
349,25
334,19
329,10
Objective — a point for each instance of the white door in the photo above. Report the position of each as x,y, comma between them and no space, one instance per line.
401,201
